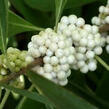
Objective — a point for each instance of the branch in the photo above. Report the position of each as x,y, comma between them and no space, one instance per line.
38,61
104,28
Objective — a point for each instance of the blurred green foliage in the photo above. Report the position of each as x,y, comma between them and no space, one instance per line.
28,17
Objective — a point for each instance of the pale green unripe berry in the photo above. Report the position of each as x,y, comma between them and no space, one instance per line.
19,82
22,55
15,95
3,71
11,50
17,69
15,59
18,62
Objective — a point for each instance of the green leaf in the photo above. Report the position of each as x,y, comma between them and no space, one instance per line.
19,25
49,5
103,87
61,98
29,103
32,95
43,5
88,95
59,4
77,3
3,24
35,17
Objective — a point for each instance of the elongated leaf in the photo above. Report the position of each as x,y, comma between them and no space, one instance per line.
88,95
59,4
35,17
103,87
49,5
3,23
32,95
19,25
62,98
29,103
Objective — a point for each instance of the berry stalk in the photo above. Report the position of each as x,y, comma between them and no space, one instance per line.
105,65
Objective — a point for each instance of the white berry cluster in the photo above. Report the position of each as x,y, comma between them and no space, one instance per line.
103,17
85,39
57,52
